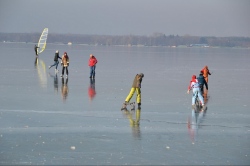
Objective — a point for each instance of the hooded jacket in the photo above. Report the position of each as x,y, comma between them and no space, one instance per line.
92,61
65,60
205,71
57,56
137,81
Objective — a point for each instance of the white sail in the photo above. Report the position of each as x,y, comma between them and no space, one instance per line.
42,40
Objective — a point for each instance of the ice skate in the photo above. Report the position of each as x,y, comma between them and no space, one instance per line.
124,105
132,105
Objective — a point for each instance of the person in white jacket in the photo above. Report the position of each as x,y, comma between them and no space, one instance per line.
194,84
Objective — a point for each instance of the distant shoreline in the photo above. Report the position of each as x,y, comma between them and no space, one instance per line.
181,46
156,40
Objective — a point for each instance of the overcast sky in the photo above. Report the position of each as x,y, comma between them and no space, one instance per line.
124,17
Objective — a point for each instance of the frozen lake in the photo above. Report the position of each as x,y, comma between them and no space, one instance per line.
47,120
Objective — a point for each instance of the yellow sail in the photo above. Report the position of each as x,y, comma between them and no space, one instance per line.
42,40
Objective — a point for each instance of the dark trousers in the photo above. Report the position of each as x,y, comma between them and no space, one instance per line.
65,67
201,87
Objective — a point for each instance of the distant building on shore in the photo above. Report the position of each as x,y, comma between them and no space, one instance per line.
198,45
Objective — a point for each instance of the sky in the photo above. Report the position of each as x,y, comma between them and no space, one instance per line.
219,18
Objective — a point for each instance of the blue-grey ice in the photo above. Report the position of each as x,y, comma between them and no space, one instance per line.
48,120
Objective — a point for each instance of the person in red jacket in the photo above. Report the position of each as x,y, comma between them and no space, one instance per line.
92,65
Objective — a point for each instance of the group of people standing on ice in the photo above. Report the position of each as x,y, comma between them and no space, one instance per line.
65,64
136,86
197,85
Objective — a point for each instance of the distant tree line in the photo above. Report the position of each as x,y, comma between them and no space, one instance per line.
157,39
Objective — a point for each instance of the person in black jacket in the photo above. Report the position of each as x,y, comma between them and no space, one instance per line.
35,48
202,81
56,62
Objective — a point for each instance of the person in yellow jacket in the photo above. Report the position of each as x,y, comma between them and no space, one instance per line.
65,64
136,86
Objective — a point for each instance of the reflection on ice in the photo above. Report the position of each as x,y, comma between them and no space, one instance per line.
41,70
55,82
91,90
64,89
194,122
134,120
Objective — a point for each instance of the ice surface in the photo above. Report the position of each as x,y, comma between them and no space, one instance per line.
45,119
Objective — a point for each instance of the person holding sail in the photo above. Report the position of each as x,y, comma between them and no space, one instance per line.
35,48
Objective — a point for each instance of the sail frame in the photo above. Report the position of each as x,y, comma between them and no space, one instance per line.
42,40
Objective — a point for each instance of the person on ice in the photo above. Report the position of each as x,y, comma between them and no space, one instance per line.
136,86
56,62
206,72
35,48
202,82
65,64
92,65
194,84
